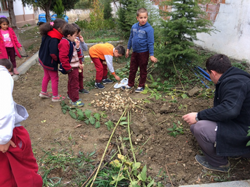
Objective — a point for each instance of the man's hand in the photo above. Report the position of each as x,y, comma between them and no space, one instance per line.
190,118
4,148
153,59
127,53
117,77
20,48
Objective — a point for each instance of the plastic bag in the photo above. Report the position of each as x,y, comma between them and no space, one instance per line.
123,82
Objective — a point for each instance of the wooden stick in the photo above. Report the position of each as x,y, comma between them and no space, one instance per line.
130,141
162,122
169,175
89,179
107,146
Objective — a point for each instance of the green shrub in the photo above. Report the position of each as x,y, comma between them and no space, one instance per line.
107,10
175,44
127,15
59,9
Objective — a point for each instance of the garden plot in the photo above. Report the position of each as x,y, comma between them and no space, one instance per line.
160,139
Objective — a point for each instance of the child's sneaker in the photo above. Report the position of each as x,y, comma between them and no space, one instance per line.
83,91
139,89
78,103
70,99
15,71
57,98
45,95
99,85
106,81
126,87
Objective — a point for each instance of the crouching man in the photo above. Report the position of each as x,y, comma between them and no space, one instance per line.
221,131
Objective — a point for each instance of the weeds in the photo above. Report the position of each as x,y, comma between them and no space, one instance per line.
176,130
30,47
54,164
90,84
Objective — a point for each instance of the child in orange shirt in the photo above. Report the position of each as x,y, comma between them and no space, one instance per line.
104,52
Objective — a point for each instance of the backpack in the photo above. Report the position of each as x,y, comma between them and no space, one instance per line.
61,69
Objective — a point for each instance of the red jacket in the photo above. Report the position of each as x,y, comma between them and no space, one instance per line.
16,44
64,48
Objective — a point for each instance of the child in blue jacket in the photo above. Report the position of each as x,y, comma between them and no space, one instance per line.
142,41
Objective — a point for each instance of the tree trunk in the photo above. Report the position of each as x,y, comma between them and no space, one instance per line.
46,8
48,18
13,25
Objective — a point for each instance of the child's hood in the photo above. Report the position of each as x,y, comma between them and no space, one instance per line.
55,34
21,114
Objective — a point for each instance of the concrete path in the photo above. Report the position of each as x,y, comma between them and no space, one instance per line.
245,183
26,65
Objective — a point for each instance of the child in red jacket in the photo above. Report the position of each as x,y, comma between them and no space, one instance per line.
9,43
70,56
18,165
49,57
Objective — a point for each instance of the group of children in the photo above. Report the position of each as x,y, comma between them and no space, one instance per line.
61,42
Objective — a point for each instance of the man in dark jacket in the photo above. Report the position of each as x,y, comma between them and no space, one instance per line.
221,131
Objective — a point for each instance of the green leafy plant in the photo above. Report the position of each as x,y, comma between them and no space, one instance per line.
242,65
159,85
153,92
110,125
176,130
86,116
131,171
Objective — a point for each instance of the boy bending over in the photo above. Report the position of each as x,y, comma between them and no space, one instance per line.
98,54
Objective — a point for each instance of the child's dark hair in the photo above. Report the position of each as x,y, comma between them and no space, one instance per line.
120,49
46,27
2,20
6,63
141,10
78,28
69,29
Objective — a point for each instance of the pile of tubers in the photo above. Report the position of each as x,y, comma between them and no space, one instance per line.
111,101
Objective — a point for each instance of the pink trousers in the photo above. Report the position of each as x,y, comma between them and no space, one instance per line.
53,76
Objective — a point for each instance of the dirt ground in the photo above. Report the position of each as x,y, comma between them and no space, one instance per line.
164,155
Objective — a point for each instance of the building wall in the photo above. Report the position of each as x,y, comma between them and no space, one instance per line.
24,15
233,24
231,19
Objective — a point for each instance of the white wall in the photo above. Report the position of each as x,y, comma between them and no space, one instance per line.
18,7
233,24
29,9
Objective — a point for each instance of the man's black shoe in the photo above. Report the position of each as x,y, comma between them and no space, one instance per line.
202,161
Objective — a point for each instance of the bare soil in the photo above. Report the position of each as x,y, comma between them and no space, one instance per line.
166,156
